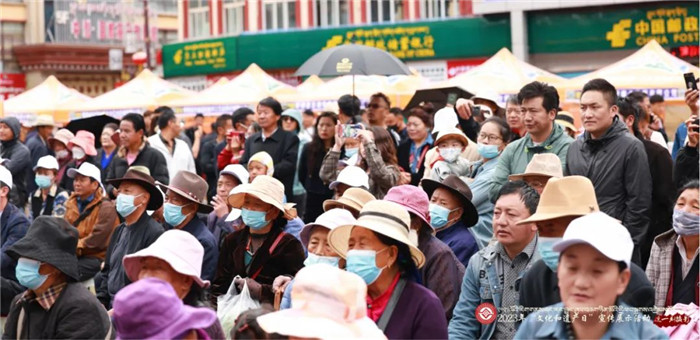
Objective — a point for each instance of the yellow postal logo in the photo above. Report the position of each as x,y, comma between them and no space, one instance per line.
344,66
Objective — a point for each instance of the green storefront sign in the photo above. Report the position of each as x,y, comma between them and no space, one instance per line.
629,27
199,57
460,38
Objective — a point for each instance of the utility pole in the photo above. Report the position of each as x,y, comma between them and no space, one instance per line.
147,34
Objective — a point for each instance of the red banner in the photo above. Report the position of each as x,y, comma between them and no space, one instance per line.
459,66
12,84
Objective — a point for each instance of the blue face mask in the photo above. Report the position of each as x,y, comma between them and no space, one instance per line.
27,272
549,256
256,220
488,151
42,181
351,152
173,214
439,215
685,223
313,259
363,263
125,204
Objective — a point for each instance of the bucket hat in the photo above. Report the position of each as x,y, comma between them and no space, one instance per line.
85,140
265,188
601,232
352,199
330,220
62,135
566,196
542,164
445,118
150,309
327,303
145,181
190,186
236,170
178,248
566,119
461,190
44,120
47,162
413,198
6,176
352,176
49,240
451,132
265,159
383,217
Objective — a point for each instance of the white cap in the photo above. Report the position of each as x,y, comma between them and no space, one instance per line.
330,220
236,170
88,170
350,161
5,176
47,162
445,118
352,176
3,160
601,232
235,213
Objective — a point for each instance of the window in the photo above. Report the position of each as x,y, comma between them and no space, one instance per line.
167,37
439,9
198,18
331,12
233,16
279,14
163,6
385,10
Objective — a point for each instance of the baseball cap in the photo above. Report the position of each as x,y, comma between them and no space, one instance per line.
47,162
5,176
236,170
601,232
88,170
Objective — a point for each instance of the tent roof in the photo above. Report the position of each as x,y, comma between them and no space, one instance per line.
49,97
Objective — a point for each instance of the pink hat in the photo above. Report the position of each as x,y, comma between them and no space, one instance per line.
413,198
85,140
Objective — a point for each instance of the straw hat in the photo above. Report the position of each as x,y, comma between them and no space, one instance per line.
44,120
353,200
265,188
190,186
542,164
387,218
565,119
63,136
566,196
327,303
451,132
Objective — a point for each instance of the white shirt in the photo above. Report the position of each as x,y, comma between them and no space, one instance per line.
685,262
180,159
658,138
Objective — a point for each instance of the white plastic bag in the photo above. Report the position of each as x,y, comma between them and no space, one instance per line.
231,305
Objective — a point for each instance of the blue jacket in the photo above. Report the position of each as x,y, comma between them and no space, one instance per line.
460,241
679,140
481,284
13,226
211,247
481,173
535,326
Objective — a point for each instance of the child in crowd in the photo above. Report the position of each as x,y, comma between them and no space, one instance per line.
450,142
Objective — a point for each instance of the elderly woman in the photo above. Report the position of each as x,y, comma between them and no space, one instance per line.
380,249
176,258
261,250
673,264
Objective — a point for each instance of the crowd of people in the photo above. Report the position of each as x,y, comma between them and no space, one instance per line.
474,221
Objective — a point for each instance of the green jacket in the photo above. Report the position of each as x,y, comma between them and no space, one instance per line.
517,155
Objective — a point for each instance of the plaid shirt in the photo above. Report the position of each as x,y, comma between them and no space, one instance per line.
659,267
46,299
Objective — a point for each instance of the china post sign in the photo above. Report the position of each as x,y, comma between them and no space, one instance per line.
199,57
673,24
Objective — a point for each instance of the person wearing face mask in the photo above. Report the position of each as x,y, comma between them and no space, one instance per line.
58,144
185,196
136,193
451,142
414,148
492,139
381,249
48,199
562,201
314,237
55,305
452,214
261,250
82,147
673,264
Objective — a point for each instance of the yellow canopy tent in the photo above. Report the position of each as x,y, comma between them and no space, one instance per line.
402,88
309,86
50,97
145,92
651,69
247,88
327,95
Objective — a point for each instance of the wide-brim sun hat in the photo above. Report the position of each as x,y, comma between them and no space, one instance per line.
542,164
265,188
330,220
145,181
63,136
85,140
444,118
383,217
413,198
353,199
44,120
191,187
566,119
461,190
451,133
566,196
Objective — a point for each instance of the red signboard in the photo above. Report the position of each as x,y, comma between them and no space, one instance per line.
459,66
12,84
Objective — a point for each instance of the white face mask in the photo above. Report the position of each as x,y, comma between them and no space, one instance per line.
78,152
450,154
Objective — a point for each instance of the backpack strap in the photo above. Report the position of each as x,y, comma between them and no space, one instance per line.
87,213
391,305
272,249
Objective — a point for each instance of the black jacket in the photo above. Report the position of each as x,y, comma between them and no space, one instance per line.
207,163
404,158
148,157
283,147
618,166
662,195
686,167
37,148
539,288
20,164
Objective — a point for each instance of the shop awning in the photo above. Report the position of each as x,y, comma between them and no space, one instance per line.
49,97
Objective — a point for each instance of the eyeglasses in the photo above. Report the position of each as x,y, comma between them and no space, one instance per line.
374,106
491,138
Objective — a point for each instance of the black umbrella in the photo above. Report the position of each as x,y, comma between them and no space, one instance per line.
439,97
93,125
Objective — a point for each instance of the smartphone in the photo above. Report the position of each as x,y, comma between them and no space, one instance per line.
452,99
696,122
690,81
350,130
476,111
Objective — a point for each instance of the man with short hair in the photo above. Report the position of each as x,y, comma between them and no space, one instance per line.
539,104
564,200
13,226
198,124
134,150
349,110
210,151
38,145
614,160
649,124
177,155
515,118
308,120
493,275
377,110
17,159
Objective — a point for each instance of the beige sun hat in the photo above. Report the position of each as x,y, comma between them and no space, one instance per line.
265,188
566,196
451,132
44,120
387,218
353,199
542,164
